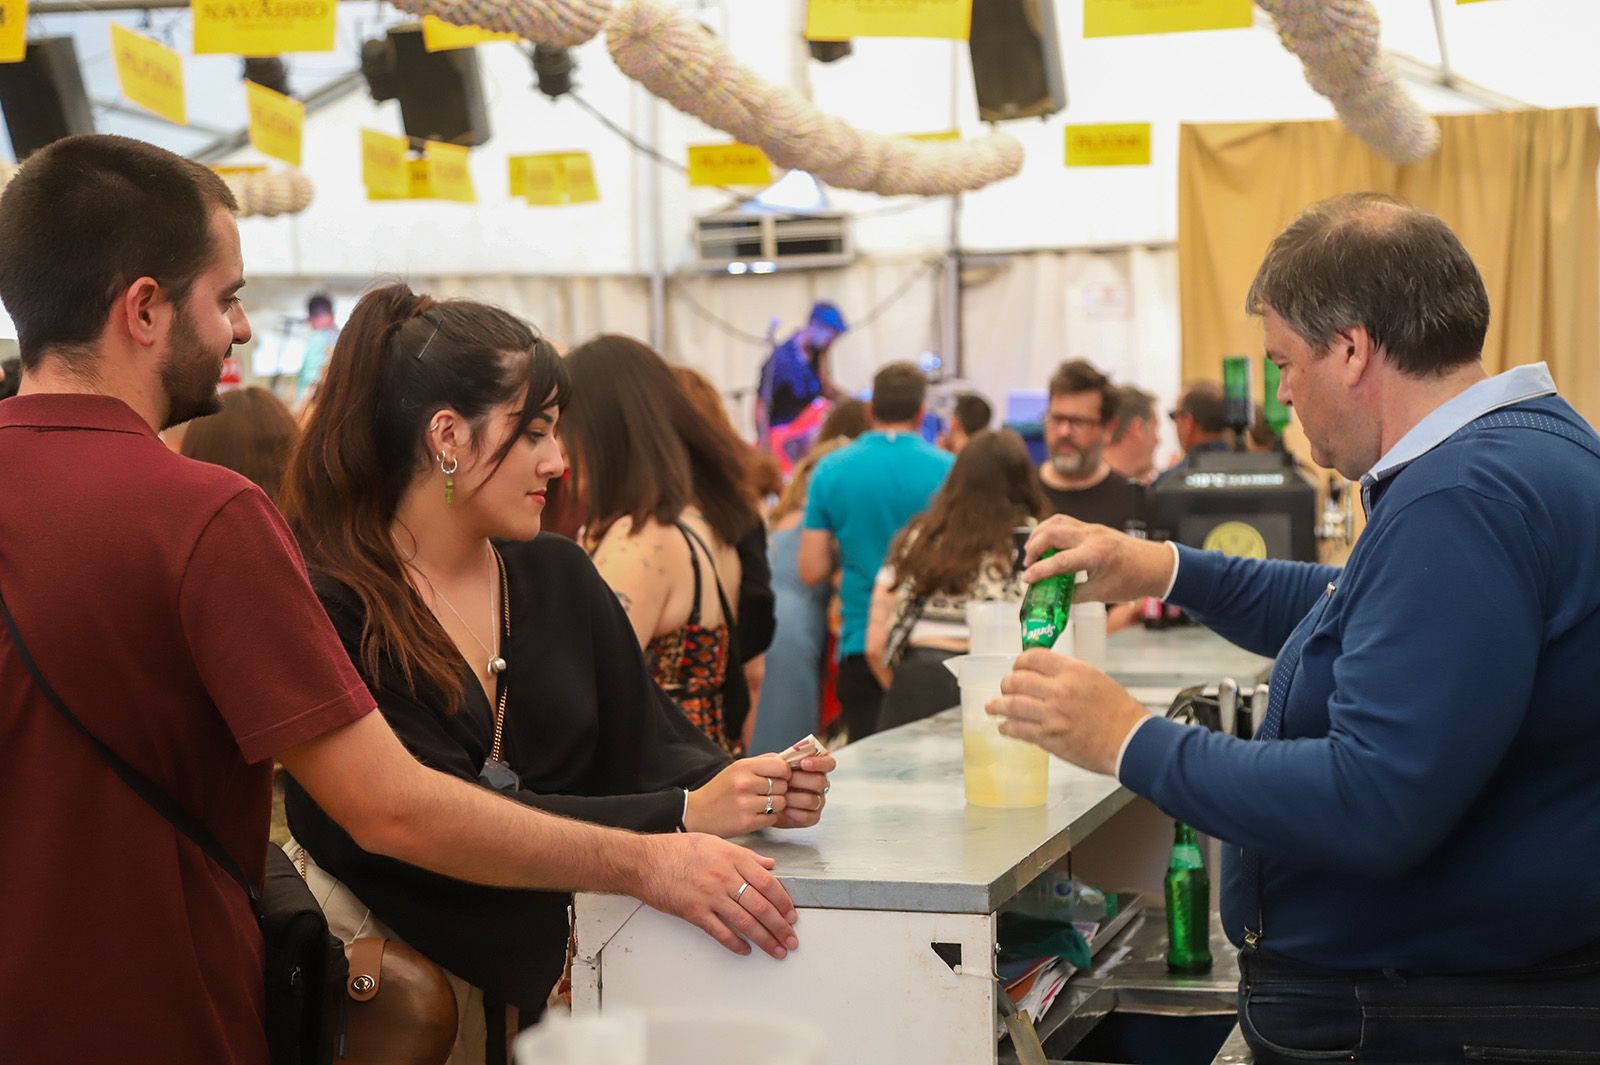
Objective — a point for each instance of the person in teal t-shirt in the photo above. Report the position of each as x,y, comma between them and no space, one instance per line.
860,498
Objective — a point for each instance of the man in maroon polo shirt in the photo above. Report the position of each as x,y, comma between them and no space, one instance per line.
165,601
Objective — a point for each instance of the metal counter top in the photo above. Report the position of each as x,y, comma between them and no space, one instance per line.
899,834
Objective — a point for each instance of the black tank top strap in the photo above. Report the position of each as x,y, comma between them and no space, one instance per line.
716,578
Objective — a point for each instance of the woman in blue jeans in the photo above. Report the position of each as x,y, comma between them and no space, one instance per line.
791,692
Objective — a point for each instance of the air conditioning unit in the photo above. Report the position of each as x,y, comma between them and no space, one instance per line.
739,242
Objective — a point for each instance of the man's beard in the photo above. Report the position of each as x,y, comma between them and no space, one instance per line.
1072,463
190,375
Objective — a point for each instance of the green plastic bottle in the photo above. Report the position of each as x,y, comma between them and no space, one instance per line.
1277,415
1188,891
1045,609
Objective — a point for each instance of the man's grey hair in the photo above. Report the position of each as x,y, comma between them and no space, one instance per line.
1371,260
1131,402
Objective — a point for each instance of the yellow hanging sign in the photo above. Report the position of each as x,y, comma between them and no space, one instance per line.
840,20
728,164
13,30
263,27
383,164
149,73
417,183
1115,144
441,36
554,179
277,123
1122,18
449,176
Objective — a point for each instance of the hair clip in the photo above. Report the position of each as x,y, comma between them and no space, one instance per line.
431,335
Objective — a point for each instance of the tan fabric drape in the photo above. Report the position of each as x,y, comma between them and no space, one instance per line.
1518,187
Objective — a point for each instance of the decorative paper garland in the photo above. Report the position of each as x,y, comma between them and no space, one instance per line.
1337,40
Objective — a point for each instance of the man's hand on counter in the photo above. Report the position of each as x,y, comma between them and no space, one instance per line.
726,891
1120,567
1071,709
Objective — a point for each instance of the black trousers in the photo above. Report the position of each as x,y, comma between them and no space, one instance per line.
1291,1012
921,688
860,696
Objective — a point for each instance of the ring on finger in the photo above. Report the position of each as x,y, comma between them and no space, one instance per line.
769,785
768,812
739,895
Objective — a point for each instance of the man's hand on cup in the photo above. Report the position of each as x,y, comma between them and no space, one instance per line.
1120,567
749,795
808,792
1068,707
726,891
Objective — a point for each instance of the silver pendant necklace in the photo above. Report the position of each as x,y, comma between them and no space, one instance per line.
497,664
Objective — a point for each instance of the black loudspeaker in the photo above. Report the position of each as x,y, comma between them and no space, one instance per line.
42,96
1016,59
440,93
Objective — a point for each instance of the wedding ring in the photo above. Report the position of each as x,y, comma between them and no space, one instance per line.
742,889
768,811
769,785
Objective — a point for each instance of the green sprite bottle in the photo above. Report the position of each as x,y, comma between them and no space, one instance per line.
1045,609
1188,891
1277,415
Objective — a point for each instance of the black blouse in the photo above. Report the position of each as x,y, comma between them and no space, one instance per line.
588,732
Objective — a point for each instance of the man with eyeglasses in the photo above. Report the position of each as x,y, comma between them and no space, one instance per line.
1077,479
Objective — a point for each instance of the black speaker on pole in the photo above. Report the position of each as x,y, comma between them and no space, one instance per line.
1016,59
440,93
42,96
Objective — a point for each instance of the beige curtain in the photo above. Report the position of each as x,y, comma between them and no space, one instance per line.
1518,187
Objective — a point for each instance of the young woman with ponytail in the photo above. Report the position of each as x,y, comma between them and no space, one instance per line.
497,654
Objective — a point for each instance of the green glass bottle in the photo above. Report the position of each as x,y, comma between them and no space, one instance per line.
1188,891
1045,609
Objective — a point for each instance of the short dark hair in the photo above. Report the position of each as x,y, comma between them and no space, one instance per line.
1131,402
1375,261
1078,376
319,304
87,216
972,412
898,392
1203,402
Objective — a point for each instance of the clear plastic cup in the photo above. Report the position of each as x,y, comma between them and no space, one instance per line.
997,770
994,628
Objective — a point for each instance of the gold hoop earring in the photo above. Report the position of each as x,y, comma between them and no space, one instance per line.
449,478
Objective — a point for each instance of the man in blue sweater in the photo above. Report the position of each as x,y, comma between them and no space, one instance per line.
1411,837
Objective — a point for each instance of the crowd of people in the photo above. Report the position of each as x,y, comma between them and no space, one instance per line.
588,613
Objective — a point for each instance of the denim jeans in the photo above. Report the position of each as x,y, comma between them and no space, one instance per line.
1295,1013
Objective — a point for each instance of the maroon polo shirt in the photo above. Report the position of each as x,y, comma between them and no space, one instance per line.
166,602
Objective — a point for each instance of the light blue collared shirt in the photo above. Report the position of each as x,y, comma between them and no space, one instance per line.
1516,385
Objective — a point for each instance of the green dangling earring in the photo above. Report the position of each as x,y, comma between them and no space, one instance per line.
449,479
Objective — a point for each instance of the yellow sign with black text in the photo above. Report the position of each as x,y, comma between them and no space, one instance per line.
149,73
1123,18
449,176
417,185
728,164
383,165
441,36
263,27
1110,144
13,30
554,179
277,123
840,20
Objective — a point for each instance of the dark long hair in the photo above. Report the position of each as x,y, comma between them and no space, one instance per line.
991,490
400,360
252,434
643,451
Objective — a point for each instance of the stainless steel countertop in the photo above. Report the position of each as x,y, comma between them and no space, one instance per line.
899,834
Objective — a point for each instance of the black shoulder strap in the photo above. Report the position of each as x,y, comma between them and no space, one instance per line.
722,597
181,819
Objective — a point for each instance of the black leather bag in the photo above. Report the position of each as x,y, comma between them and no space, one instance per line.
305,965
